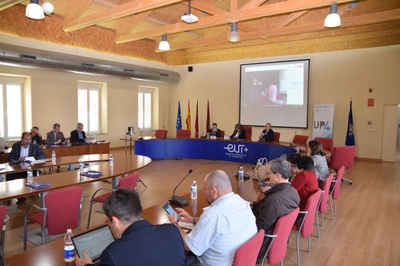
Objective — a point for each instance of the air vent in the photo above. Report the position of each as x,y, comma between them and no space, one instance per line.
127,70
25,56
87,65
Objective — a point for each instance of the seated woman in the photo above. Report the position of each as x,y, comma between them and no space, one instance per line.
238,133
321,168
304,181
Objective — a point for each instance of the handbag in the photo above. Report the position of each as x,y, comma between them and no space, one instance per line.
260,171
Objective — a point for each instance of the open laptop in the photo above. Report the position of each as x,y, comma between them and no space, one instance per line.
93,242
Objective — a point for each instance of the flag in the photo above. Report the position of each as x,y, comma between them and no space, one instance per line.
350,141
188,119
178,117
208,116
196,124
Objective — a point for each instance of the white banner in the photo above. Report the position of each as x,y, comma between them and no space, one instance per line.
323,120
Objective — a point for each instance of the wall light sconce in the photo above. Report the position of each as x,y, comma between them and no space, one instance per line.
234,34
34,10
164,45
333,19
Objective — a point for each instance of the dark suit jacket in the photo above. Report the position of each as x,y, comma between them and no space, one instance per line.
269,136
50,140
217,134
75,136
242,134
145,244
34,150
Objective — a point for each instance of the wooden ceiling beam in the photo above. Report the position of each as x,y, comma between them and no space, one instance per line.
9,3
116,12
130,22
76,8
204,7
240,15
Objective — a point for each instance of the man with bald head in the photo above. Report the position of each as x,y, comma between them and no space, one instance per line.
222,228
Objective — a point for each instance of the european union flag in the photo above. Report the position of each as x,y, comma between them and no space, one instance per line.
350,140
178,117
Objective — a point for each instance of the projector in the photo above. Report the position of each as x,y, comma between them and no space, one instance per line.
189,18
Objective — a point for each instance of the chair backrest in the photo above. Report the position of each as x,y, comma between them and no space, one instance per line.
311,208
129,181
222,135
277,251
248,130
246,254
324,201
182,133
300,139
63,209
327,143
3,213
336,189
277,136
342,156
161,133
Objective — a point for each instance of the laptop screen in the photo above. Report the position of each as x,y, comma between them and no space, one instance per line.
93,242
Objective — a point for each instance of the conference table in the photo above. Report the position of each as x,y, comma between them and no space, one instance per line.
209,149
52,253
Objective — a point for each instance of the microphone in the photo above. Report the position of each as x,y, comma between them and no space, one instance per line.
141,137
291,144
176,200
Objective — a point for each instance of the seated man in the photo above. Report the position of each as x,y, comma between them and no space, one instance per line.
223,227
36,136
279,200
140,242
55,137
214,131
78,135
267,134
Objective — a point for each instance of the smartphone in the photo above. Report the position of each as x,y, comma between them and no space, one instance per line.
170,210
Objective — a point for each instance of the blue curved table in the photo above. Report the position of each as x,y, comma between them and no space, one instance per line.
233,151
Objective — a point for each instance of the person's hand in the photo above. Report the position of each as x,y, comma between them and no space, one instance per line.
185,217
83,261
263,189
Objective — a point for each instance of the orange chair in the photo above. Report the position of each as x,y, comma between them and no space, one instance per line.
276,250
342,156
129,181
300,139
307,225
327,143
246,254
4,217
182,133
62,212
277,136
248,130
335,191
161,134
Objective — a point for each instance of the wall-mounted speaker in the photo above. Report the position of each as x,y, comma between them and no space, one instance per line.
190,69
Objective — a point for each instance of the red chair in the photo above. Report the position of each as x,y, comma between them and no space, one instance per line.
277,136
300,139
323,206
335,191
307,224
4,217
248,130
327,143
161,134
246,254
182,133
222,135
129,181
276,250
342,156
62,211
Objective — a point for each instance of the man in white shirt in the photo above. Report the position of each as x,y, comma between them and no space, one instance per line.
222,228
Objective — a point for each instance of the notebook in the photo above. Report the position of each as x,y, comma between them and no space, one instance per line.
93,242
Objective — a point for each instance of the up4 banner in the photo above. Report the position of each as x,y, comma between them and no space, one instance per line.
323,120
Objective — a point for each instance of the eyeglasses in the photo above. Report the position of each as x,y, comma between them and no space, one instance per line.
268,173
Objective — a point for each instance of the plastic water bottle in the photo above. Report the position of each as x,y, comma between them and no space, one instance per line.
193,192
29,175
241,174
81,165
53,157
111,160
69,250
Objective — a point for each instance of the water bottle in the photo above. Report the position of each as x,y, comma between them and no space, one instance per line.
111,160
69,250
53,157
241,174
81,165
193,192
29,175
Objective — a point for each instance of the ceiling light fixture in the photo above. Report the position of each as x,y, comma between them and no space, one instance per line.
234,34
189,17
164,45
48,8
34,10
333,19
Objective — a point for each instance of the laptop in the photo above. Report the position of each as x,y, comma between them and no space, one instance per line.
93,242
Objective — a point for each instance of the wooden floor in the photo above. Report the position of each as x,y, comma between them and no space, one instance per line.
365,230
